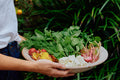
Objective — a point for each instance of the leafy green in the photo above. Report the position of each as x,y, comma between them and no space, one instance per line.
62,43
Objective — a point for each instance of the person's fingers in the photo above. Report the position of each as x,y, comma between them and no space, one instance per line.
67,75
57,76
72,74
53,64
55,69
58,66
57,73
60,73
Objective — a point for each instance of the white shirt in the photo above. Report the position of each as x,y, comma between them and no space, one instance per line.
8,23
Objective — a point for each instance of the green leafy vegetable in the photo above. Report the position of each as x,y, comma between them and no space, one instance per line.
62,43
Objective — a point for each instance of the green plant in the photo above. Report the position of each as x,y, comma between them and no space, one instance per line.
98,17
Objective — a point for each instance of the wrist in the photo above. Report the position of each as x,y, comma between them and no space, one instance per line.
29,66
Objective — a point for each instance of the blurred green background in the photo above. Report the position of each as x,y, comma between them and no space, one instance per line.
99,17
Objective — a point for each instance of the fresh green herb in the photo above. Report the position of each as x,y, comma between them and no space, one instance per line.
62,43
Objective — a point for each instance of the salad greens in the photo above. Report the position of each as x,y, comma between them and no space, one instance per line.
60,43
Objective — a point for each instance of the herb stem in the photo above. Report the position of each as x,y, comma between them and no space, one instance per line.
78,76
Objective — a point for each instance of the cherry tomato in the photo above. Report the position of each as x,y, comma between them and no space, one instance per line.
32,50
38,51
19,12
43,50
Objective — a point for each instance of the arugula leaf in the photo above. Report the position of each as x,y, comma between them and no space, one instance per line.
39,34
75,41
59,47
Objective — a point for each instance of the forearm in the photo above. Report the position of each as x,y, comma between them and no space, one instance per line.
10,63
43,66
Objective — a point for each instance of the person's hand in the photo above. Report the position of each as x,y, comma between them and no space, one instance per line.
50,68
22,38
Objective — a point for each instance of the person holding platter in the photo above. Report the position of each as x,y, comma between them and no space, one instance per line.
10,63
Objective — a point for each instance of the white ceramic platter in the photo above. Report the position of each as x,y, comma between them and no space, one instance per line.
102,58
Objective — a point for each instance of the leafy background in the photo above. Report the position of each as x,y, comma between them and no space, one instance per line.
101,18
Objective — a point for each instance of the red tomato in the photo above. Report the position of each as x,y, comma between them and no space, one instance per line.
38,51
32,50
43,50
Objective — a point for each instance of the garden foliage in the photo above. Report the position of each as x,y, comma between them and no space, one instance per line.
98,17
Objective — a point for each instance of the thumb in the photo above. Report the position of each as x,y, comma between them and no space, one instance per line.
58,66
